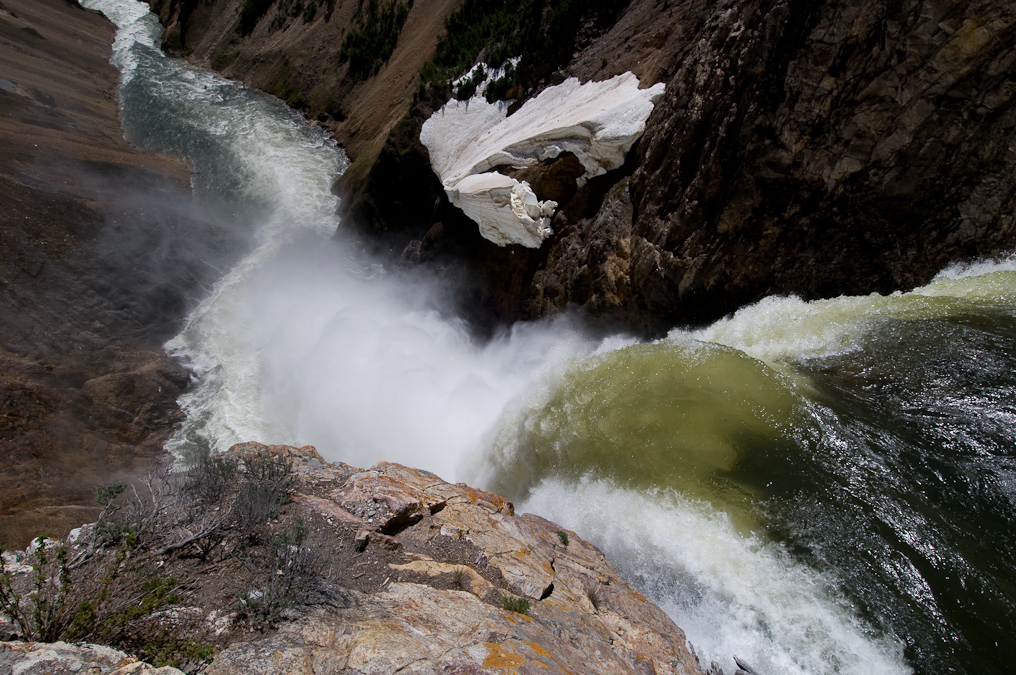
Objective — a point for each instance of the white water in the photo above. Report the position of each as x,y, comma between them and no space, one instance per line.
731,594
780,329
306,342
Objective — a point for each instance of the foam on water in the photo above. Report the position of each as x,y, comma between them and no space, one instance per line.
780,329
731,594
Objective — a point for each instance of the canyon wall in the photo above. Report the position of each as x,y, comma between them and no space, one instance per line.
101,257
810,148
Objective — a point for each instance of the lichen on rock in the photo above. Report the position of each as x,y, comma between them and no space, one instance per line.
469,141
401,572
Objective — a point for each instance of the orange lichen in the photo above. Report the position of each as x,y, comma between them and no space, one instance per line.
539,650
639,596
498,657
515,616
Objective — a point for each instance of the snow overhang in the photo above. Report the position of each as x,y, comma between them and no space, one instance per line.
598,122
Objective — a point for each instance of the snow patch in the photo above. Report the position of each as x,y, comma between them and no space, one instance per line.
598,122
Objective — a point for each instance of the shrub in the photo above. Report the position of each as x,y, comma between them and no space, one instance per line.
563,536
289,573
105,494
264,486
518,605
211,478
41,614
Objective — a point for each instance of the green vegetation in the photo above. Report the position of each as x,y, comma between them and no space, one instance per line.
543,33
518,605
121,580
291,9
163,650
563,536
291,562
40,613
373,35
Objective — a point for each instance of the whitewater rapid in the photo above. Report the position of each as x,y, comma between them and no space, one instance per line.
658,453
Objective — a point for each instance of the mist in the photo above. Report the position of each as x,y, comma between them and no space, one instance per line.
322,347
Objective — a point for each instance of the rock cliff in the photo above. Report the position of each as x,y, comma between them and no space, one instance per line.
399,571
810,148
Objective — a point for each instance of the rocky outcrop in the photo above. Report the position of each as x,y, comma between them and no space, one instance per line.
402,572
34,658
451,556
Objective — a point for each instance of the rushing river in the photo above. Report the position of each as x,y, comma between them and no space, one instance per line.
825,487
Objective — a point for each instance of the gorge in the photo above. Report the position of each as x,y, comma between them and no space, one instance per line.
816,485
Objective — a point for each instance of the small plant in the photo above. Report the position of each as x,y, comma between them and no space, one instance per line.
563,536
459,580
261,610
264,487
211,477
518,605
290,574
105,494
154,594
163,650
41,614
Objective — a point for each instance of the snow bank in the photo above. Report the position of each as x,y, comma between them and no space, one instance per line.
598,122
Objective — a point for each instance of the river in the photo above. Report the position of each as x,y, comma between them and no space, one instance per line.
823,487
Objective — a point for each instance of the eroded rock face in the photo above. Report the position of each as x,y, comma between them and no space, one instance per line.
809,148
815,148
596,122
101,253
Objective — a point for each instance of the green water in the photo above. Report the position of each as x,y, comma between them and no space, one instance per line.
678,415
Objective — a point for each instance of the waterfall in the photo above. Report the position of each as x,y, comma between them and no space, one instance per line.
816,487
